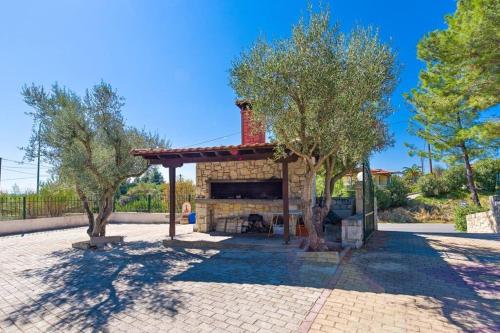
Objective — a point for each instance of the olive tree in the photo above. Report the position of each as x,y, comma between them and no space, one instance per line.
365,134
88,143
316,91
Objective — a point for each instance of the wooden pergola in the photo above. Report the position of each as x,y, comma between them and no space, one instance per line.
174,158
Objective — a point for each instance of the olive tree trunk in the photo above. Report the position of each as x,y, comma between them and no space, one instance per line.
105,210
331,178
86,208
315,241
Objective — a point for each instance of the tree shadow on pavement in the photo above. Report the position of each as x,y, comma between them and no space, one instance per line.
85,289
457,279
258,266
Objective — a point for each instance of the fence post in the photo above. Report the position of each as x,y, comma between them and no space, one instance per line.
24,207
149,203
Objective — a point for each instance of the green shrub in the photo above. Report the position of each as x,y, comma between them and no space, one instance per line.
398,191
383,197
431,186
393,195
454,178
461,212
486,171
339,190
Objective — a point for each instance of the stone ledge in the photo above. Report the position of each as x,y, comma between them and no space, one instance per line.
333,257
238,244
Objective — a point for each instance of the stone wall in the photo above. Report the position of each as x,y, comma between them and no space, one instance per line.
207,209
248,170
482,223
353,231
343,207
486,222
11,227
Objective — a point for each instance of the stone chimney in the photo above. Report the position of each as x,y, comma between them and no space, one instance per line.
251,132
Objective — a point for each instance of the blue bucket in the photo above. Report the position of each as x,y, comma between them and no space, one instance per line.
192,218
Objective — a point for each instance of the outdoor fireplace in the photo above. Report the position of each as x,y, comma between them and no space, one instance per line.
235,181
270,189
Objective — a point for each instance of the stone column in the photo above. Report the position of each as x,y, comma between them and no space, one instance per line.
358,187
201,217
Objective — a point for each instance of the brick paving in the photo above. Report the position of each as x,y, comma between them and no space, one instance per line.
46,286
410,282
400,282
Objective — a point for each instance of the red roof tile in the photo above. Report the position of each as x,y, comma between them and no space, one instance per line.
155,151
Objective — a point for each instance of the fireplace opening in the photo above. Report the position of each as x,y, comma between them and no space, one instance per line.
262,189
255,224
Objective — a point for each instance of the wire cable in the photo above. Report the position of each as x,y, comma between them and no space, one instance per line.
23,163
26,173
211,140
4,180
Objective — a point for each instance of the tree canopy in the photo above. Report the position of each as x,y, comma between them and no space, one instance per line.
468,48
458,85
87,141
152,175
321,93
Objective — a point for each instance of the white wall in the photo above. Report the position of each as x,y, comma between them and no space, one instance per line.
10,227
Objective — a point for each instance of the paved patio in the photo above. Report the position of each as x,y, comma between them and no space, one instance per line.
45,285
417,282
400,282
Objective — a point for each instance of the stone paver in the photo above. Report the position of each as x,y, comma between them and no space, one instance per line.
409,282
46,286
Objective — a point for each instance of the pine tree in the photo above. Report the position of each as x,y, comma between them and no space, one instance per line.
457,87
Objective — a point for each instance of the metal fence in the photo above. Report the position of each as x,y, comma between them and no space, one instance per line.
153,203
13,207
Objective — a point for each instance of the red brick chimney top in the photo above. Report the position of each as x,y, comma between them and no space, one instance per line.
251,132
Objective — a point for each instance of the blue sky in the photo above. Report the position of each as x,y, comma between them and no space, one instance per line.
170,60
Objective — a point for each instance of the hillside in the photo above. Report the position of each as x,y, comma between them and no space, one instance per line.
428,210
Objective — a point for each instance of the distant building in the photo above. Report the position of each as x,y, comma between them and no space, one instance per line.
380,177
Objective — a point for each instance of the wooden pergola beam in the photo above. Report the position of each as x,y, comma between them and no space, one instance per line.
286,202
179,161
171,174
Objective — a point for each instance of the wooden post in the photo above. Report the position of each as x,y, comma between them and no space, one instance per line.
171,173
286,202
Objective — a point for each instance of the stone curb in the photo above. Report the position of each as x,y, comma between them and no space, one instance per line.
208,245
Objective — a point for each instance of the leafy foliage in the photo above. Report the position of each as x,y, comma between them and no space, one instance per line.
487,173
152,175
431,186
383,197
454,179
398,191
412,173
458,85
393,195
88,142
469,47
321,93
